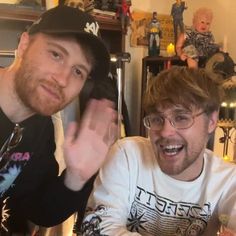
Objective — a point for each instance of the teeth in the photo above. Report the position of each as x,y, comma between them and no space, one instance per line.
173,146
172,149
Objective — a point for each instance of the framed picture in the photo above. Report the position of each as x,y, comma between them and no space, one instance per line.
139,29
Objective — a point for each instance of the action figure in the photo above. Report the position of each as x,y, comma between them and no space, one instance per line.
197,41
123,12
104,5
177,14
154,36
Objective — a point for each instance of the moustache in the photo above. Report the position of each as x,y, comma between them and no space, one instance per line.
168,141
55,88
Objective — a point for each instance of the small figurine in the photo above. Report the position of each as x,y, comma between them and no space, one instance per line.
75,3
177,14
104,5
154,36
123,12
197,41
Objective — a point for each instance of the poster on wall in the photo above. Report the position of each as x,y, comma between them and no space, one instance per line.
139,29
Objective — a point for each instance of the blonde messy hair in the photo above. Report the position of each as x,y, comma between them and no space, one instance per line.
187,87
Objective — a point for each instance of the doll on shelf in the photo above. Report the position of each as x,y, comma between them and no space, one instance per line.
123,12
154,36
197,42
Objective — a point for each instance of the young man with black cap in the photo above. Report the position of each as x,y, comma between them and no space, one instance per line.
53,60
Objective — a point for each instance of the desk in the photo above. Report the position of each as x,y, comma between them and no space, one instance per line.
154,64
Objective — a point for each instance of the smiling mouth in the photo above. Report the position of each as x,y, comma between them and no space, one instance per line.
171,150
54,94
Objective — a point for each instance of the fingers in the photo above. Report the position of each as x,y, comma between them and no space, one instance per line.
183,57
70,133
101,118
86,148
96,111
111,135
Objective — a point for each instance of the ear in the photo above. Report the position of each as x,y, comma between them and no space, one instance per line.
23,44
213,119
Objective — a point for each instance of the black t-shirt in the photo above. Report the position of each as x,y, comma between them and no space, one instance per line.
30,187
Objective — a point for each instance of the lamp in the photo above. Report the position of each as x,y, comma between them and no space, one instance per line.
227,117
170,50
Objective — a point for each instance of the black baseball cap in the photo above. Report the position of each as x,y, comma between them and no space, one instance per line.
69,20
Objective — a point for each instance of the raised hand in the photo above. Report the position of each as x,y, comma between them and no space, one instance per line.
86,146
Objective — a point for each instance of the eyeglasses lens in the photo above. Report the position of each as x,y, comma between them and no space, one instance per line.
179,121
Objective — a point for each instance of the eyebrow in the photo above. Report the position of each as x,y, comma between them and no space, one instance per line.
81,66
175,110
59,47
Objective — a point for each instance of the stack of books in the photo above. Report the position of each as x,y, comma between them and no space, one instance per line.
102,14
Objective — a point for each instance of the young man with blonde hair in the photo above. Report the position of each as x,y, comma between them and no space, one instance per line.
169,183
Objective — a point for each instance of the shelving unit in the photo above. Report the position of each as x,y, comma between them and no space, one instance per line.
110,28
19,14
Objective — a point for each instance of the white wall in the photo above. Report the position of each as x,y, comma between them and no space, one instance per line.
223,28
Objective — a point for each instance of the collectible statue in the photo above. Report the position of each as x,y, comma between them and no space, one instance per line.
177,14
154,36
123,12
104,5
75,3
197,42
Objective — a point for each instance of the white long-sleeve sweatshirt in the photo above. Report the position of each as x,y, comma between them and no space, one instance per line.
132,196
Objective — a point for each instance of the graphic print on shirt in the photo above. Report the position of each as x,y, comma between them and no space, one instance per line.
5,214
12,170
156,215
91,224
8,174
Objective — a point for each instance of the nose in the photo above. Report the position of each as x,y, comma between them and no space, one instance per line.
167,129
61,76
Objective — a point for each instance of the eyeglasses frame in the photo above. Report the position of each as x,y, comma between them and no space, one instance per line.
171,122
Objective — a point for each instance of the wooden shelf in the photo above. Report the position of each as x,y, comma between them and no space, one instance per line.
109,24
19,14
29,15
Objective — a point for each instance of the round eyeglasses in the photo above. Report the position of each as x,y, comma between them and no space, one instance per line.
179,120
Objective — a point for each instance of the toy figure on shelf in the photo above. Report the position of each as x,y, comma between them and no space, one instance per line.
123,12
154,36
76,4
197,42
177,14
104,5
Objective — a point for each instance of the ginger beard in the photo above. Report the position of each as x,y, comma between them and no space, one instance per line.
29,84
